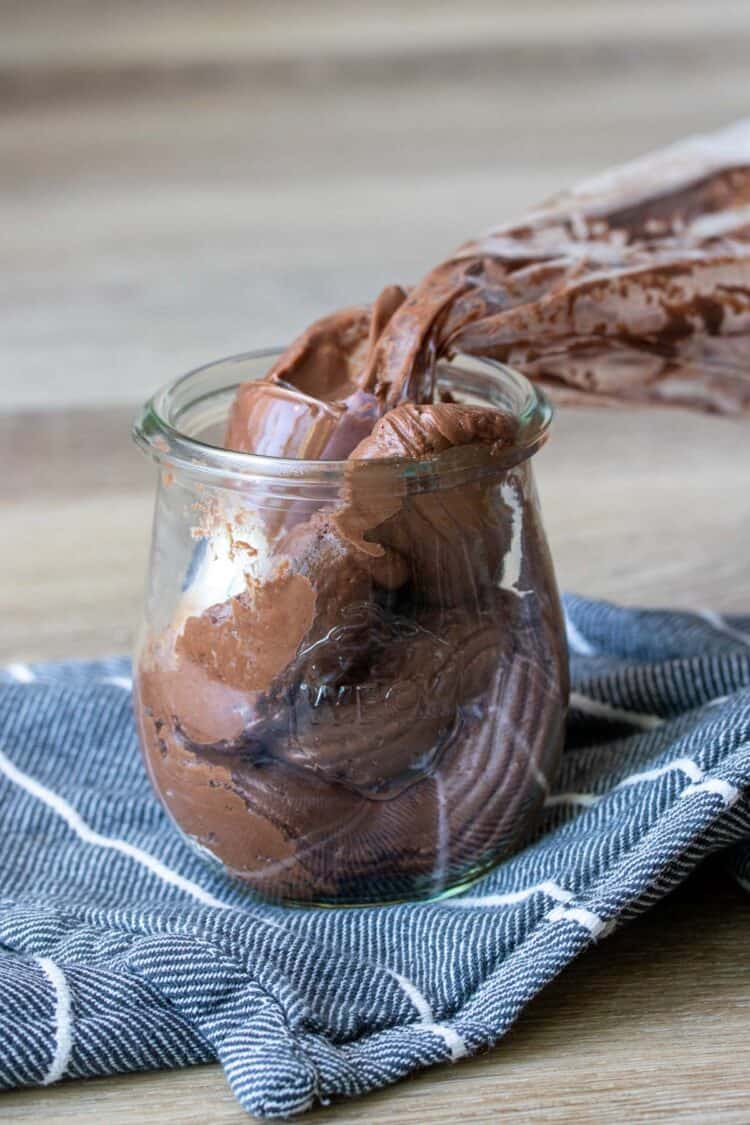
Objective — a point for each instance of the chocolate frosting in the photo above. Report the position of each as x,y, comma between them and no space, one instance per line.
377,716
632,287
376,713
402,759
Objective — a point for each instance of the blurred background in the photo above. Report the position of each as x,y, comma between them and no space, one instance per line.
182,181
185,180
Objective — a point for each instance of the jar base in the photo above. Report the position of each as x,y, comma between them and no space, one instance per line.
464,882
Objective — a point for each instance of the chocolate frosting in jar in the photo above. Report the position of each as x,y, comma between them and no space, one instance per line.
414,774
318,401
375,712
349,731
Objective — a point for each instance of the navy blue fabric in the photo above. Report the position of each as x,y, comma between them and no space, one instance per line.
120,950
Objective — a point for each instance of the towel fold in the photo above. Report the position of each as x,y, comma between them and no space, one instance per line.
120,950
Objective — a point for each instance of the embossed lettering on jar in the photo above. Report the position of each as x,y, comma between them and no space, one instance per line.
351,677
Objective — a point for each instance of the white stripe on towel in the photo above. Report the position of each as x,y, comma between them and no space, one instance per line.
63,1021
586,918
21,672
74,821
124,682
449,1035
599,710
716,621
586,800
700,783
723,789
690,768
576,640
510,898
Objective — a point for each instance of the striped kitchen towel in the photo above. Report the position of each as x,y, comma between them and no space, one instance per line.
120,950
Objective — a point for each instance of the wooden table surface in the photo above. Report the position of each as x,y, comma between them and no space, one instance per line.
178,188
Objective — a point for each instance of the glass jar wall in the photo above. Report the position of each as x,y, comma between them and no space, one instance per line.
351,677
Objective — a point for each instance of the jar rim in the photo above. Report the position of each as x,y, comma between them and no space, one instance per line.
156,429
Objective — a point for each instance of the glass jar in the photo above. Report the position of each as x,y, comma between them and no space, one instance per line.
337,717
